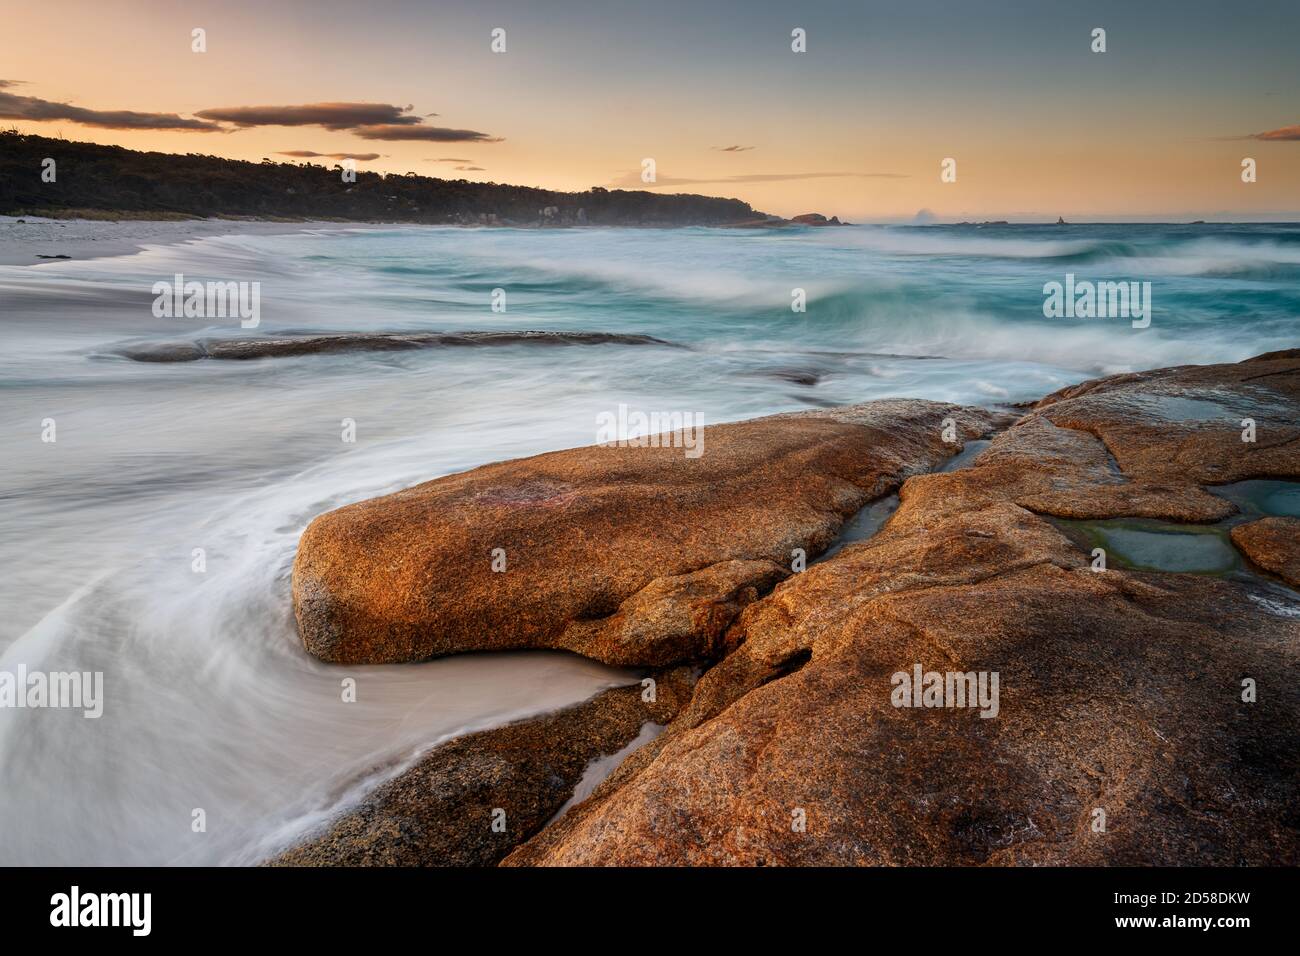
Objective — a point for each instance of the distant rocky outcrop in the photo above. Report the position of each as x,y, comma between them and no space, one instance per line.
817,219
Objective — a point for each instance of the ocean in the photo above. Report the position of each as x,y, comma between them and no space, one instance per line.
210,704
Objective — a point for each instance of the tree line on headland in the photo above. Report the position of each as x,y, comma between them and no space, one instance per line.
42,176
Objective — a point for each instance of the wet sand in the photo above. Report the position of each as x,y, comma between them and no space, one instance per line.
23,242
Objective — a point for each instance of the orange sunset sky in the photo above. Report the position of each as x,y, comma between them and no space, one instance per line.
1040,126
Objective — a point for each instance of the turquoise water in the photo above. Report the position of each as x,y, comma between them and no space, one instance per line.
944,312
1159,546
1263,497
210,700
1201,549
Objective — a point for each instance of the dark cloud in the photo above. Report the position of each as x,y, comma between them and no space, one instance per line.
433,134
472,169
379,121
335,116
632,180
1282,134
374,121
733,149
14,107
308,154
448,159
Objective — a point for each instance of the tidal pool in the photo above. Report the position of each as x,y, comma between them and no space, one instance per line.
1174,408
1263,497
1147,545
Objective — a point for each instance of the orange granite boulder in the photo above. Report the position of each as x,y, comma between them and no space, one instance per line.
630,555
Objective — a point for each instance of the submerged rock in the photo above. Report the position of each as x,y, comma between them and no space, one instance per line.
629,555
288,346
469,801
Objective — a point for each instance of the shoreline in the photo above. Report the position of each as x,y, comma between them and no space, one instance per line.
24,239
40,240
31,240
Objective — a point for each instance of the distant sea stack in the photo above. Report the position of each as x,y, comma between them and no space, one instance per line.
817,219
806,219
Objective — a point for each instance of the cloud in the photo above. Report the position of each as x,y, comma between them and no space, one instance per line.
432,134
376,121
373,121
308,154
632,180
732,149
1282,134
334,116
466,165
14,107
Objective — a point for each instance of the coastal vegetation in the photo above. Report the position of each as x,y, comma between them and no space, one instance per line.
87,180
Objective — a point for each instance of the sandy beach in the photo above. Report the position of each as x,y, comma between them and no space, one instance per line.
35,240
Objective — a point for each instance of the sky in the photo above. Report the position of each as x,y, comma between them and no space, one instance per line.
858,125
